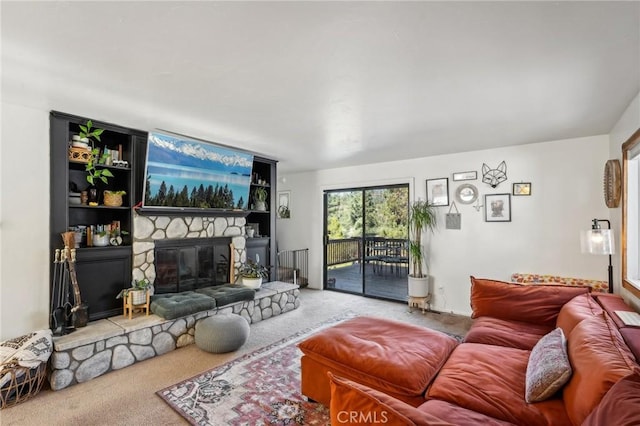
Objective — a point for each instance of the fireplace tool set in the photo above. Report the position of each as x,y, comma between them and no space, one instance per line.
65,315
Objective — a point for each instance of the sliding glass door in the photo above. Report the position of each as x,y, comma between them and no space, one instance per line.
366,239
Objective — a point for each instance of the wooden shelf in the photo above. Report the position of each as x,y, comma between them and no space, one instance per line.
100,207
101,166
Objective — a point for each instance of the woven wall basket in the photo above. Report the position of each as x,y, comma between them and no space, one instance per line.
112,199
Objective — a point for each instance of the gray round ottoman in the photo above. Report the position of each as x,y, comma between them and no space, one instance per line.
221,333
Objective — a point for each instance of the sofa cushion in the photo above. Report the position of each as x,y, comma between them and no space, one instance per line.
227,294
390,356
353,403
512,334
458,415
612,303
599,359
548,368
575,310
620,406
631,336
539,304
175,305
491,380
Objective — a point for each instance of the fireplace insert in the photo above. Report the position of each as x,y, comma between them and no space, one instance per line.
191,263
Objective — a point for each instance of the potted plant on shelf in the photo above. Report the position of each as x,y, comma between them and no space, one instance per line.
109,237
252,273
260,196
422,217
94,175
138,291
113,198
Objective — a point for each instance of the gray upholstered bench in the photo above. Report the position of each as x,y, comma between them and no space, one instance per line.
227,294
221,333
174,305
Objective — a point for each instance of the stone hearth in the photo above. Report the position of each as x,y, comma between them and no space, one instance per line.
117,342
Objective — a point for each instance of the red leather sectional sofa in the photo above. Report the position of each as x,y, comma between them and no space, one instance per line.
376,371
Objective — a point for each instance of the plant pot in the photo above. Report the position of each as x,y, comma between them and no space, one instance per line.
138,297
261,206
112,199
101,240
253,283
418,287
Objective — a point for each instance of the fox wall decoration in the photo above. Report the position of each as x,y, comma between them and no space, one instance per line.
494,177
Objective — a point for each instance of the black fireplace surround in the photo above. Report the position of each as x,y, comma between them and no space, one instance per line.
191,263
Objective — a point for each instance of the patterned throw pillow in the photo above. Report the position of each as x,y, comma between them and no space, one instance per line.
549,368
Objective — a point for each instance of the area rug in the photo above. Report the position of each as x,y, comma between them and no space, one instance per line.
260,388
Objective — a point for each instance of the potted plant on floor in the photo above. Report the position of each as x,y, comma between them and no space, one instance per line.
252,273
422,217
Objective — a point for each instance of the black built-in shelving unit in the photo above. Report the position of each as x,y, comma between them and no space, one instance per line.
103,271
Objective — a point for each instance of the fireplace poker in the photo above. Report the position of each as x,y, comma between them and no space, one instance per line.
54,294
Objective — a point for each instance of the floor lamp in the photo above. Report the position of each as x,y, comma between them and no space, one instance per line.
599,241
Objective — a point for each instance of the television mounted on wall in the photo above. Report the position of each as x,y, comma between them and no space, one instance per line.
186,173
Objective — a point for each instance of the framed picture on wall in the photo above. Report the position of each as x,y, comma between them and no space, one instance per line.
471,175
284,198
438,191
522,188
497,208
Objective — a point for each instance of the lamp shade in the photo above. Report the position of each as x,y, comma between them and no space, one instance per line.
597,241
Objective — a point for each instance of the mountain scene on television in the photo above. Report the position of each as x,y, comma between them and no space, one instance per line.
186,173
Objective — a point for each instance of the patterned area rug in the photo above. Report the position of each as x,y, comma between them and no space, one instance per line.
260,388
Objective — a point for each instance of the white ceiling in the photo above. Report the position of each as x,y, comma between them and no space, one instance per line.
327,84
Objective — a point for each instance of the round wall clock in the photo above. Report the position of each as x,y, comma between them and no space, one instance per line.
612,189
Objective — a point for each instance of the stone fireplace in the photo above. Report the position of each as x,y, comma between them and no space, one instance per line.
194,245
197,250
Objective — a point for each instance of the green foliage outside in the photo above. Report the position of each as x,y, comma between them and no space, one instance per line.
386,213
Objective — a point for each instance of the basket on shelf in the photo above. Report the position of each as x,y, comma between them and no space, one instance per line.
24,383
79,155
112,199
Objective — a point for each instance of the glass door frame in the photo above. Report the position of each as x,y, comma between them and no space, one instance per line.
325,237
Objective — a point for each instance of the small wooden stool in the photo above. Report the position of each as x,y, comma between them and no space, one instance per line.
419,302
127,304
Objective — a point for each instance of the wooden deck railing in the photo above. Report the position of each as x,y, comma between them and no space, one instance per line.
349,249
343,251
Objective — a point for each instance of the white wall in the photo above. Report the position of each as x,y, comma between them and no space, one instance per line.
24,214
543,236
629,122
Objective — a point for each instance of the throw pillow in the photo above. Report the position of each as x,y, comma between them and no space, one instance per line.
548,368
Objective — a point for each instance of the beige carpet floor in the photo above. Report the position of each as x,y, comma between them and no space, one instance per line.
127,396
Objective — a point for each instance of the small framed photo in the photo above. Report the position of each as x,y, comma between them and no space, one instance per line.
284,198
522,188
497,208
472,175
438,191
